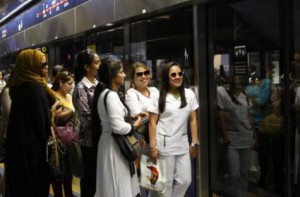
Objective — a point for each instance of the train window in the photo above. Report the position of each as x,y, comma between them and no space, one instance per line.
108,43
158,40
246,153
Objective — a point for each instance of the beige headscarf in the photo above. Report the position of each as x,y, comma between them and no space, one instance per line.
28,68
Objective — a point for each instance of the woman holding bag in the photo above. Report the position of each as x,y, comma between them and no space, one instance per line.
62,86
139,96
170,113
116,176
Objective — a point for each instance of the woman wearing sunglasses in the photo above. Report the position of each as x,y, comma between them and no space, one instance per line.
29,127
139,96
169,115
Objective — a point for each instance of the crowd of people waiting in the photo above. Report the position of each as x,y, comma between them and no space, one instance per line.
34,105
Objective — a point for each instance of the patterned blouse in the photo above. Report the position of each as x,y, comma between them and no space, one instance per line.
82,98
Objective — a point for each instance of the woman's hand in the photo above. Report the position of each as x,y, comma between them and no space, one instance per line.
194,151
56,105
154,154
55,109
144,114
138,122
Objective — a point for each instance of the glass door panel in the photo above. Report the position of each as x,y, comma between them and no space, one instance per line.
248,140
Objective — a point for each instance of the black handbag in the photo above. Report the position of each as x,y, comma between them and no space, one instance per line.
75,159
131,145
144,129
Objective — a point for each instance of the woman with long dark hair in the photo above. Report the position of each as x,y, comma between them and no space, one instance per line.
115,175
170,113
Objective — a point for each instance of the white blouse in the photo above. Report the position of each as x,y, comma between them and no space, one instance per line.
113,173
137,102
172,126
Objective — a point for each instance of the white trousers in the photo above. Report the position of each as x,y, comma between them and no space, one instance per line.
238,164
179,175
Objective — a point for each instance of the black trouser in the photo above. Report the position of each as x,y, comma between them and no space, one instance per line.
271,156
88,181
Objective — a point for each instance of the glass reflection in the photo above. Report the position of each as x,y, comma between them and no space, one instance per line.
249,137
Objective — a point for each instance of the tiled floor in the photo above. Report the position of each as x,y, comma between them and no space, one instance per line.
76,186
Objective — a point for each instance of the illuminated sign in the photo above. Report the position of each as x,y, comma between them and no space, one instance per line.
51,8
41,11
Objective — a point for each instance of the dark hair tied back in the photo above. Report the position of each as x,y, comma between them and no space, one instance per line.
108,70
84,57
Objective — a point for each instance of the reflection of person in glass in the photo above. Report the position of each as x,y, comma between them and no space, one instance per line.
295,79
170,113
240,135
241,142
269,145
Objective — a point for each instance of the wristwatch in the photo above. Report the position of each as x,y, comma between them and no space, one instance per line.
196,145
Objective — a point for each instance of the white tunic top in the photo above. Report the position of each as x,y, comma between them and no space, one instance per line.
137,102
171,130
113,173
237,122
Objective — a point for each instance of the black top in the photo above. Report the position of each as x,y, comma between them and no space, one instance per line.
28,131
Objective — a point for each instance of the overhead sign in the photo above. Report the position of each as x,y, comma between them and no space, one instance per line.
240,61
41,11
50,8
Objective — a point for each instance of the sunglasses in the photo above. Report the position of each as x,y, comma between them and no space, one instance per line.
44,65
179,74
145,73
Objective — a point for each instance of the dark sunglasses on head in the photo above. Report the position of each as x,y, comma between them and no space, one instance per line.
180,74
145,73
44,64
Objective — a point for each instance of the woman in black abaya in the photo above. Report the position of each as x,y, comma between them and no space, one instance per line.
29,127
